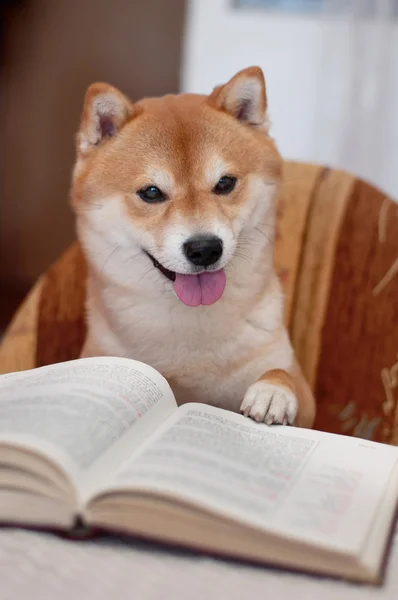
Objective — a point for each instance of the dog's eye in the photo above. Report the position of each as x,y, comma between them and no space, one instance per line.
151,194
225,185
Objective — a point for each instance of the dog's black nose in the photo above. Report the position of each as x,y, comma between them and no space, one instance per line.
204,250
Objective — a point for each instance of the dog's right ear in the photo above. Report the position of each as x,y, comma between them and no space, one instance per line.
105,112
243,97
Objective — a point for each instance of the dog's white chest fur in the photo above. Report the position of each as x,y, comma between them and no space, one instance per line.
208,354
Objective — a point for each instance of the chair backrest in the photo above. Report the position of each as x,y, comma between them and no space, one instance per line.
338,251
337,257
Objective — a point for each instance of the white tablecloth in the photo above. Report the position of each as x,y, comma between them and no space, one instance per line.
45,567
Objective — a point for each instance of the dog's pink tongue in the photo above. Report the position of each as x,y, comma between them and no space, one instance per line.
205,288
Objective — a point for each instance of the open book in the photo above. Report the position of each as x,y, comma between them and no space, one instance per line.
102,441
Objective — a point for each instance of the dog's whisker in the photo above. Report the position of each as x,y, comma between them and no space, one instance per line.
244,257
110,256
104,250
145,273
126,260
263,233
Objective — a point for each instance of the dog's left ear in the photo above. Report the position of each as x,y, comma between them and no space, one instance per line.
244,97
105,111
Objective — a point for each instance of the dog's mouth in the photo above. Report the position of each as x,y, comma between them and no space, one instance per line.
196,289
166,272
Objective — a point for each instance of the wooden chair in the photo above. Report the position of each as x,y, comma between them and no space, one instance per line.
337,256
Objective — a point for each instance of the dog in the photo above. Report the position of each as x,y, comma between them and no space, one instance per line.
175,202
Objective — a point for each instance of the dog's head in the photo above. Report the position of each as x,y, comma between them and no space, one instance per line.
180,181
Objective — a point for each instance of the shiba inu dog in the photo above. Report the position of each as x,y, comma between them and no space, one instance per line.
175,204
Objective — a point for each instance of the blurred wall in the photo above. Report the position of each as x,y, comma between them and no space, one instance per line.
53,49
332,81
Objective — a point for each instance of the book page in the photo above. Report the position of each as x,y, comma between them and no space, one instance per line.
74,411
301,484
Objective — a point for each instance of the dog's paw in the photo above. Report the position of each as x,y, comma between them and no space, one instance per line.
269,403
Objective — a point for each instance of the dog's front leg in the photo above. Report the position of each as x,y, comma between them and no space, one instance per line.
280,397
